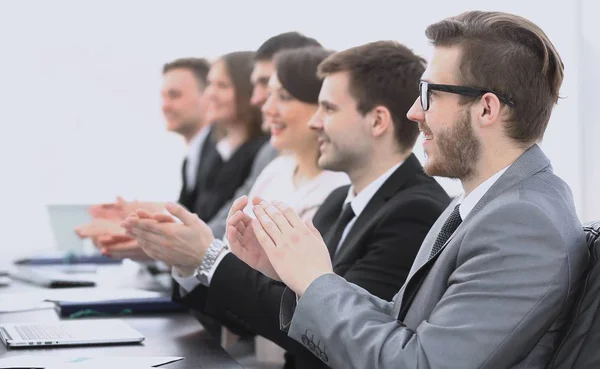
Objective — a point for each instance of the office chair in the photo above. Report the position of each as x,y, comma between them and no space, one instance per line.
580,343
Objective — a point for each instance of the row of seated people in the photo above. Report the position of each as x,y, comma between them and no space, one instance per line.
304,236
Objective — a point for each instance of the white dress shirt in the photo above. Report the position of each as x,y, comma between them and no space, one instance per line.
468,203
193,156
225,149
276,183
359,201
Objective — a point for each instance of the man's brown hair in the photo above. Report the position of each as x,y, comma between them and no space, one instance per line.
383,73
511,55
198,66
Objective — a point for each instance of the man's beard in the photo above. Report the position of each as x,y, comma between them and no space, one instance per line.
458,150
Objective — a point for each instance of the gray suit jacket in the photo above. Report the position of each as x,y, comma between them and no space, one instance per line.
494,297
264,156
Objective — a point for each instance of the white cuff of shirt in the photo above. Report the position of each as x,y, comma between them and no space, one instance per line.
188,284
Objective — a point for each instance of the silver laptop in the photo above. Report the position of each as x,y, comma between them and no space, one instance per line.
63,220
67,333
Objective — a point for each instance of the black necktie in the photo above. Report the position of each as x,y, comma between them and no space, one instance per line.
342,221
448,228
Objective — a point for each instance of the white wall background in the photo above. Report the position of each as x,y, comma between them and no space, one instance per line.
79,89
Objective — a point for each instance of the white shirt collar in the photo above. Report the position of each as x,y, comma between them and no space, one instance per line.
359,201
468,203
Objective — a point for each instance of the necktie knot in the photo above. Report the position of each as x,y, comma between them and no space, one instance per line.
347,215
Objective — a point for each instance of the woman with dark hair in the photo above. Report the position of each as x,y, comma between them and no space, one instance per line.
237,130
295,177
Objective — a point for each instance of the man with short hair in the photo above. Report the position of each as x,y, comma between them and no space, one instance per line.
373,228
178,95
264,65
184,109
493,282
184,106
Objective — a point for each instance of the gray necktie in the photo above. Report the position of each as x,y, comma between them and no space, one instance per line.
448,228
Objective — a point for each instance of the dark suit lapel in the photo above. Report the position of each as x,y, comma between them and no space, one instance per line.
182,193
330,246
337,207
209,159
326,217
361,225
390,187
529,163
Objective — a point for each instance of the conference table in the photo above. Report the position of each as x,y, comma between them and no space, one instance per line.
173,334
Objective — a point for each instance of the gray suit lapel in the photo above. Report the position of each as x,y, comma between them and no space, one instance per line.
530,162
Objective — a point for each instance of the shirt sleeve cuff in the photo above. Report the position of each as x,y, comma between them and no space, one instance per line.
188,284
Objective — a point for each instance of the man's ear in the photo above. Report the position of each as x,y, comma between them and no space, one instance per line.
489,109
381,120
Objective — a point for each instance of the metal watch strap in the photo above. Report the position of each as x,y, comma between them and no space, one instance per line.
208,261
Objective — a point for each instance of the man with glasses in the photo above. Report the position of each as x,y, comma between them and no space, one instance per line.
494,279
373,228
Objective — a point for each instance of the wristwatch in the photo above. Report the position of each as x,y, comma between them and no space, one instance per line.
215,248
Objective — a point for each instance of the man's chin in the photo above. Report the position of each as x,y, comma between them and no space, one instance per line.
174,128
323,163
431,169
329,164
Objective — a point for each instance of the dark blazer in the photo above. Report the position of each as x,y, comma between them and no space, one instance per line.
205,173
377,254
221,179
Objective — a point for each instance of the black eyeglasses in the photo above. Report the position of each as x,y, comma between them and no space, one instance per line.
425,89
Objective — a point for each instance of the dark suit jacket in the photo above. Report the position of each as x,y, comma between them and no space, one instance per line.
377,255
221,179
205,174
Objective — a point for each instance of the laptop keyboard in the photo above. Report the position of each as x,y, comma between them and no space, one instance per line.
37,332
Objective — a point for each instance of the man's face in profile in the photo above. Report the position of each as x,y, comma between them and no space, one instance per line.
263,69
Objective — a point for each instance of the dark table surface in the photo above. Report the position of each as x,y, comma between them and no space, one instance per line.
177,334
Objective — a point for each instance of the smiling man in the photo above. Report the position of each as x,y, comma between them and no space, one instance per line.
373,229
494,279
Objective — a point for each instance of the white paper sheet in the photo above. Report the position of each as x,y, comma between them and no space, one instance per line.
48,362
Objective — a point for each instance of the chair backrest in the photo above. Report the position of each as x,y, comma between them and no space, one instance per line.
580,346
